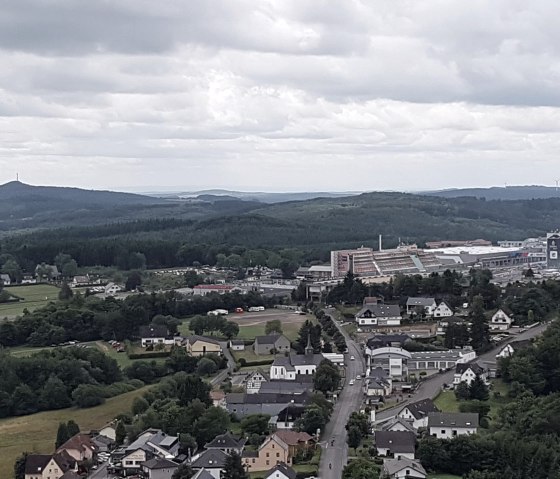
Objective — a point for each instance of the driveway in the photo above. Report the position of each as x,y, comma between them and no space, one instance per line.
220,378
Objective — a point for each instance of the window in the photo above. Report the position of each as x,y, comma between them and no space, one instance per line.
253,461
454,432
267,454
408,472
443,431
277,454
268,463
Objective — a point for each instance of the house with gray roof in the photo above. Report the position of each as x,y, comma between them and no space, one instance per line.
445,425
397,444
403,469
428,305
272,343
466,373
281,471
417,412
379,315
227,443
5,279
212,461
203,474
159,468
242,405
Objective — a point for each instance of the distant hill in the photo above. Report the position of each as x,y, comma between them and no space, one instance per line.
261,196
500,193
25,206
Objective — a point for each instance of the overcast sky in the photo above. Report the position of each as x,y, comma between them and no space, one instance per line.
280,95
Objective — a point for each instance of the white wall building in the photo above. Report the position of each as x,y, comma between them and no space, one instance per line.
449,425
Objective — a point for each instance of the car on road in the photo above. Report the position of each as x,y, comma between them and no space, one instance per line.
351,383
359,376
352,358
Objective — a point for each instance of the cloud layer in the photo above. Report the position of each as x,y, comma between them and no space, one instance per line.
285,94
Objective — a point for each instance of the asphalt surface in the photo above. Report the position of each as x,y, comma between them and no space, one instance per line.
349,401
220,378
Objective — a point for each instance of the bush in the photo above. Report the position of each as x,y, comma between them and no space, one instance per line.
149,355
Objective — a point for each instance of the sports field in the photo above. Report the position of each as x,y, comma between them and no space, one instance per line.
34,296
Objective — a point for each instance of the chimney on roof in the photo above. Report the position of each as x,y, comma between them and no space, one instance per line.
380,242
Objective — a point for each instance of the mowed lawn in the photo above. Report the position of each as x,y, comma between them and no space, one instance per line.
34,296
37,432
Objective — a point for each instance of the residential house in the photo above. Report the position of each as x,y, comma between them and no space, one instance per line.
466,373
80,447
403,469
103,443
292,367
398,424
111,289
397,444
511,348
47,272
272,451
242,405
272,343
132,459
281,471
28,279
48,466
227,443
109,430
218,398
153,334
417,412
213,461
236,345
255,380
501,321
298,442
303,385
78,281
427,305
286,418
159,468
151,443
203,474
373,300
443,310
5,280
449,425
378,383
379,315
200,345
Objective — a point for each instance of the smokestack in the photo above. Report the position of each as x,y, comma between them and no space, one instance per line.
380,242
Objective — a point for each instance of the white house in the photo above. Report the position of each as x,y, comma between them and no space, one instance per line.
237,345
255,380
443,310
379,315
153,334
403,469
212,460
281,471
466,373
449,425
5,279
414,304
378,383
500,321
111,289
417,412
510,348
133,459
397,444
398,424
392,360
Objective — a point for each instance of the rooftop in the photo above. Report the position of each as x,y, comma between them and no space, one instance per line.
458,419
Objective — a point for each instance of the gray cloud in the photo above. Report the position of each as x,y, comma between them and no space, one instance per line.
280,93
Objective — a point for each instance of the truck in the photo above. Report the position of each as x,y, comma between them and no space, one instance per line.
256,309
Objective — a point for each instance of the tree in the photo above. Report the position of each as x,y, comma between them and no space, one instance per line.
354,438
24,401
230,329
462,392
87,395
133,281
54,394
361,469
62,435
274,326
327,377
255,424
70,269
137,261
480,331
120,433
187,444
184,471
212,423
313,419
456,335
19,466
13,269
139,406
65,292
234,468
206,367
478,389
72,428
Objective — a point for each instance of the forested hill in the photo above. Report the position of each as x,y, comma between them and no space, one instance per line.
501,193
25,206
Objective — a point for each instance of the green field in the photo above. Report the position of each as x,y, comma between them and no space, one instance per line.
34,296
37,432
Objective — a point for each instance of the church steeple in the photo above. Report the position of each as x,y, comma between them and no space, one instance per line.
309,347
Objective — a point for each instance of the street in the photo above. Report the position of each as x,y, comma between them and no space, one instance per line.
349,401
220,378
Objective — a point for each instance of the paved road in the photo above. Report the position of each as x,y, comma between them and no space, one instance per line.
349,401
220,378
432,386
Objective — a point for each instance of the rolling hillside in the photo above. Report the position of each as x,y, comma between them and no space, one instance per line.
501,193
